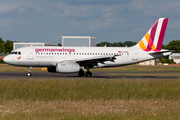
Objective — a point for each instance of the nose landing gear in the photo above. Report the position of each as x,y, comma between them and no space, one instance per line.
29,72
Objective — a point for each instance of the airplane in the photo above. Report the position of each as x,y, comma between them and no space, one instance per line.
78,59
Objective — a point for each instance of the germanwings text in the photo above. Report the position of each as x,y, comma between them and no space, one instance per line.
54,50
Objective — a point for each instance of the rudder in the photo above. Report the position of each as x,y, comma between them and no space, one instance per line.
154,37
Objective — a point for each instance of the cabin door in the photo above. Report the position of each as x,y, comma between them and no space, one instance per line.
30,54
134,54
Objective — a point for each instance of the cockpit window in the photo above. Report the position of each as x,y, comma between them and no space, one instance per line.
16,53
12,53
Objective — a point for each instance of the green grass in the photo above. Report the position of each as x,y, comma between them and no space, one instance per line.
141,68
89,99
64,89
144,74
9,68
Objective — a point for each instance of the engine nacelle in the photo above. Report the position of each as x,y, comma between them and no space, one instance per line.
67,67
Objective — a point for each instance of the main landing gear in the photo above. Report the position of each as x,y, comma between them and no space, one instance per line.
29,72
81,73
88,74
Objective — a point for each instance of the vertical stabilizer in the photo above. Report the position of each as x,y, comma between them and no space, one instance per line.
154,37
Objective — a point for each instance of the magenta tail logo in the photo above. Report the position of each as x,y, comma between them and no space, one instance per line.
154,37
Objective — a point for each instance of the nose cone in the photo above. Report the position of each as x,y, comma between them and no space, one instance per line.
6,59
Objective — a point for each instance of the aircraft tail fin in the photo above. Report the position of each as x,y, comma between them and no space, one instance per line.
154,37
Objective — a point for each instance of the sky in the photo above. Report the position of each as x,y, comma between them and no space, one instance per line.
107,20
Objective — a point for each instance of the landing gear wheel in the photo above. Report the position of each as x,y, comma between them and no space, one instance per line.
29,74
81,73
88,74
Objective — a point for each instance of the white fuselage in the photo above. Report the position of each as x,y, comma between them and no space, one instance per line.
50,56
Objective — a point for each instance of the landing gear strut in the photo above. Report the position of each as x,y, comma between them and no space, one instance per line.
88,73
29,72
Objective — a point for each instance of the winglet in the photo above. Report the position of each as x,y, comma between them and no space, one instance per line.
154,37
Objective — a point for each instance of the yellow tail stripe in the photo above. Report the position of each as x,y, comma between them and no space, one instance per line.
142,45
153,47
147,37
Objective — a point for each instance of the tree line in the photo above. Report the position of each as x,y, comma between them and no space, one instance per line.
7,46
172,45
118,44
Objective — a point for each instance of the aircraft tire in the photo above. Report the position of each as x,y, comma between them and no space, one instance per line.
81,73
88,74
29,74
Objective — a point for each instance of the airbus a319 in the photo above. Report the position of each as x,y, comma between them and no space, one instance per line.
78,59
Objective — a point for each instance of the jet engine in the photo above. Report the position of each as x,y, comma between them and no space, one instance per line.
67,67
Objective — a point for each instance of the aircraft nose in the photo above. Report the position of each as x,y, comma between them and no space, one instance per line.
6,59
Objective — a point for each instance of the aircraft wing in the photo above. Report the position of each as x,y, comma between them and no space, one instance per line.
100,58
92,61
88,61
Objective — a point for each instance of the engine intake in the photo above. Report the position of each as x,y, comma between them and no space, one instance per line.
67,67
